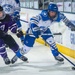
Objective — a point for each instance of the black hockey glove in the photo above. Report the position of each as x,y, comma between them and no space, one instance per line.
19,34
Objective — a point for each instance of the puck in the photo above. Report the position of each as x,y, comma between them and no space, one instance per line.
73,68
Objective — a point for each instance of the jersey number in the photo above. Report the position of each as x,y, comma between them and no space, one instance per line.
7,9
2,27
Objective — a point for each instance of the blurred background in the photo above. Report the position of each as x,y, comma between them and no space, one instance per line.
63,5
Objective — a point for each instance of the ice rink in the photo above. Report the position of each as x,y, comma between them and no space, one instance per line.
41,62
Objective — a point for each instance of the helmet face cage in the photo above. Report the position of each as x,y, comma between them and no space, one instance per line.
53,7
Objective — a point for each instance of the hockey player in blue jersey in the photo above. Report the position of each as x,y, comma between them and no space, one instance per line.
12,7
39,25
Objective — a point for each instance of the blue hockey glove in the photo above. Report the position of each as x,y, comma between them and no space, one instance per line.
16,16
35,30
19,34
72,26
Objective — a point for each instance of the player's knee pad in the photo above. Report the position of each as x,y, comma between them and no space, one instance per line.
53,46
52,43
50,40
25,50
29,40
8,39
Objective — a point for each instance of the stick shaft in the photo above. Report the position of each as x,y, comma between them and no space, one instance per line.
67,59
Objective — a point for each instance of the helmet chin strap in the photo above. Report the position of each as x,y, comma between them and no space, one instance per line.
4,15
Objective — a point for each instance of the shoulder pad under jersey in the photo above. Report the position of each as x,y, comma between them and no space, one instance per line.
44,15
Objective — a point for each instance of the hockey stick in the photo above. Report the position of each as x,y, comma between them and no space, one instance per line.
73,68
59,52
24,21
68,61
44,34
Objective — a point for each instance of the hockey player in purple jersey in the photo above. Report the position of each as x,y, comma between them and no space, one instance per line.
7,23
12,7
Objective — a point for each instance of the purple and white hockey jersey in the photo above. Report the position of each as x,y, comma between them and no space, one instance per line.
7,23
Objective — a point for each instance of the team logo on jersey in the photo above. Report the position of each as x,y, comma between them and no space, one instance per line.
7,7
44,14
2,27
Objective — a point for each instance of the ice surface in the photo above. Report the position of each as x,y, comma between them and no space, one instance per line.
41,62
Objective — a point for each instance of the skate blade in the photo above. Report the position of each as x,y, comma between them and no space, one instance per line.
27,61
17,64
60,62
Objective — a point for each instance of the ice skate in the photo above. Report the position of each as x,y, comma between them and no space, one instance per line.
7,61
23,58
59,59
14,59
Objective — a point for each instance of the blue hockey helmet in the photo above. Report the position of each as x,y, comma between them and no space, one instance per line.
53,7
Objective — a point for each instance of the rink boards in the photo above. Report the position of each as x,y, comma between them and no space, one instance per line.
61,48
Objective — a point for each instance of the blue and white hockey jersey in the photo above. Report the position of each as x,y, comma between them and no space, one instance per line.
10,6
44,21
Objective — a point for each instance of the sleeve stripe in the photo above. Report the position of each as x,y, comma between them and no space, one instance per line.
3,52
34,19
12,25
66,21
35,22
2,47
13,28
